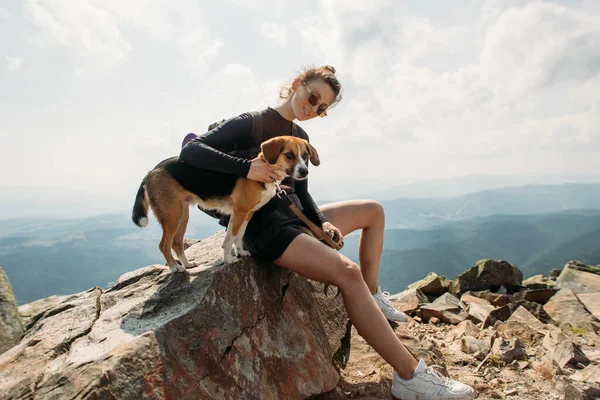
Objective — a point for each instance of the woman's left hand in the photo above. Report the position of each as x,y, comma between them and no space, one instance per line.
327,226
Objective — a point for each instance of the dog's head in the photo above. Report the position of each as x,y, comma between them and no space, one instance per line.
291,154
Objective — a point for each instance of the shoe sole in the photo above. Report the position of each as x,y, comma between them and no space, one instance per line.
416,396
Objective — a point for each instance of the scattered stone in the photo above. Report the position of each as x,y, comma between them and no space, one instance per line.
432,285
540,296
516,329
470,345
548,368
568,353
478,308
495,299
499,314
591,374
538,282
509,350
409,300
434,320
524,316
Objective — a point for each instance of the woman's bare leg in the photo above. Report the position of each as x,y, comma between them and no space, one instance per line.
367,215
314,260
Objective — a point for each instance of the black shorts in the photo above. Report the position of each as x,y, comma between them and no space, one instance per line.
272,229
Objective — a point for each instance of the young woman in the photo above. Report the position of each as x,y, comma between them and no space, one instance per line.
273,232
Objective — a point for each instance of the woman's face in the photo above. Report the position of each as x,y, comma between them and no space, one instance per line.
303,109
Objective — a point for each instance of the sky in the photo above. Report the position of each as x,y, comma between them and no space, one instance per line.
94,93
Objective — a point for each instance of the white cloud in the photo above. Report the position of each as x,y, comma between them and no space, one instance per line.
276,34
90,29
198,49
14,63
493,87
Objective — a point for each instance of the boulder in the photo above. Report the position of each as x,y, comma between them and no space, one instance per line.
565,308
220,332
432,285
11,327
488,274
580,278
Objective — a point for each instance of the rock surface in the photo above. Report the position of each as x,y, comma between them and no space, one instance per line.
248,330
11,328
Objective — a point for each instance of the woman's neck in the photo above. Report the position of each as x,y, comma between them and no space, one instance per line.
285,110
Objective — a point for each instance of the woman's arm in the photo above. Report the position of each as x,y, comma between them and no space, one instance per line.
209,151
311,210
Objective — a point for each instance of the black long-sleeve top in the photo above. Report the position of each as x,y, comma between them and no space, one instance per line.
209,151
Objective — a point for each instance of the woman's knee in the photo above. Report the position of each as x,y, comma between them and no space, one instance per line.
347,274
374,209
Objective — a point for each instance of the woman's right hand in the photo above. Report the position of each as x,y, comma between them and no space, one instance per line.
262,171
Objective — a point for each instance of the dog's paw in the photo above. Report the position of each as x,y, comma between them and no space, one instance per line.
244,253
229,260
177,268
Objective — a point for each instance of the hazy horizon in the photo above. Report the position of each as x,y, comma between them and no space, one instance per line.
95,94
60,202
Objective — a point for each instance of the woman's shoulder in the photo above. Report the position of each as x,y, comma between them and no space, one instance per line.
299,132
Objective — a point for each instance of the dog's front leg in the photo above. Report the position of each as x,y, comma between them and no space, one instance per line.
234,229
239,244
228,243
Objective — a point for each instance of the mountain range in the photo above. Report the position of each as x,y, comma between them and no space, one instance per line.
535,227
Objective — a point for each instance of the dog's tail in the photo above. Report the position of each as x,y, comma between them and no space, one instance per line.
139,215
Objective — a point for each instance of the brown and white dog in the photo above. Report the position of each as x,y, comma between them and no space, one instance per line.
172,186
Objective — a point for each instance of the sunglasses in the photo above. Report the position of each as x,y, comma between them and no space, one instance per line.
313,99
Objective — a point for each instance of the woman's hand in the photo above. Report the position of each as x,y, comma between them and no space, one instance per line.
262,171
327,226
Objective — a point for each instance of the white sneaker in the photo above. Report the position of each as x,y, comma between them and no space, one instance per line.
427,383
381,298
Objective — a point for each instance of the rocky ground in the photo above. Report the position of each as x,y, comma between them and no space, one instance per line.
520,358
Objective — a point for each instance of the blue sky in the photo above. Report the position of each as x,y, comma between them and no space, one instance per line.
94,93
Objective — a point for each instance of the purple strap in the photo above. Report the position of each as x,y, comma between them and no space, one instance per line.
187,138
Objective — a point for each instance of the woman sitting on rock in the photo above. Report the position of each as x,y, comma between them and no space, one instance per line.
274,231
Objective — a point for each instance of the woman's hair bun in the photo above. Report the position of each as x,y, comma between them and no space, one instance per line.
329,68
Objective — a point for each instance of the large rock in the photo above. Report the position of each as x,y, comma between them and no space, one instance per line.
565,308
488,274
432,285
249,330
580,278
11,328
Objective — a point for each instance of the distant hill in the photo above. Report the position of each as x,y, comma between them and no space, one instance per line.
529,199
46,257
534,243
461,185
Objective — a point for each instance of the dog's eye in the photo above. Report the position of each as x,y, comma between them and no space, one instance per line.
289,156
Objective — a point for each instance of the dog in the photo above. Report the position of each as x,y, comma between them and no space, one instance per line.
173,186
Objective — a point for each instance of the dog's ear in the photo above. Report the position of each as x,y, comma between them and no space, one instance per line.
312,152
271,149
